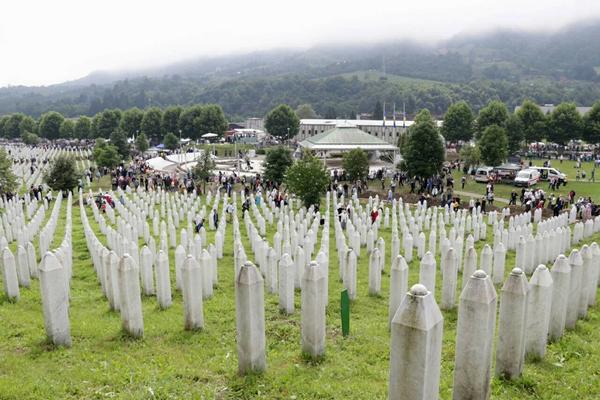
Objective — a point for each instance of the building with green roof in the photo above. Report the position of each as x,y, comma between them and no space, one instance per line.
346,137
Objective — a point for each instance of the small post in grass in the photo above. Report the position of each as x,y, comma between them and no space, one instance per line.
345,312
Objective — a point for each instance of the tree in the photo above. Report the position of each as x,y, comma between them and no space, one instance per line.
3,121
188,121
565,123
29,138
424,148
458,123
212,120
282,122
493,145
276,163
591,124
171,141
514,133
356,164
107,123
83,128
141,142
151,123
131,121
470,155
119,140
170,119
202,171
533,121
12,127
28,124
67,129
378,111
495,113
8,180
63,174
106,155
305,111
50,125
308,179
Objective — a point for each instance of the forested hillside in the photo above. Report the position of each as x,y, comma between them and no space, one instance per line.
505,65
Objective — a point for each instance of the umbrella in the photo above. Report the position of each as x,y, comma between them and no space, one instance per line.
209,135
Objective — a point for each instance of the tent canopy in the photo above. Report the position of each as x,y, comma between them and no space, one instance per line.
346,137
160,164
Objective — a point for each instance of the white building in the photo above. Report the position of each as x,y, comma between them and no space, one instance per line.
389,131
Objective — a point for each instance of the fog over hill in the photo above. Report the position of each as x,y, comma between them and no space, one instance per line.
509,65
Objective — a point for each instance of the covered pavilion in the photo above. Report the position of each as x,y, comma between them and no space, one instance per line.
344,138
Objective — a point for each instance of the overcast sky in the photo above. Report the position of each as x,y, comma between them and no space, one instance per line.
44,42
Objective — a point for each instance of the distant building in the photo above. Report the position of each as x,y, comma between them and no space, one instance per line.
377,128
548,108
255,123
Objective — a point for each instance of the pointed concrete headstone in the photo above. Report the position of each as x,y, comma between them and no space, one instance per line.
486,259
286,284
595,273
22,267
180,257
32,260
374,273
163,281
510,348
499,264
192,294
469,265
416,347
427,272
351,274
130,297
205,264
539,301
9,275
449,280
475,338
111,272
561,278
313,312
587,275
147,270
576,263
250,320
398,285
55,300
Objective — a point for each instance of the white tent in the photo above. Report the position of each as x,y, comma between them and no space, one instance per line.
181,158
160,164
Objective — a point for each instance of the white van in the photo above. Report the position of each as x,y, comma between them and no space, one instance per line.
548,173
483,174
527,177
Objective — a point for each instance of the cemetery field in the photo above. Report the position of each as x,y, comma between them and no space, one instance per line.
170,362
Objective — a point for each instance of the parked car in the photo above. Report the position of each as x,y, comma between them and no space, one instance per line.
506,173
483,174
547,173
527,177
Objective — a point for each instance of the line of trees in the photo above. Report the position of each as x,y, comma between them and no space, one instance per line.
154,123
527,125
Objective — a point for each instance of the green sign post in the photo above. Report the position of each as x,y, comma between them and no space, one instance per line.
345,312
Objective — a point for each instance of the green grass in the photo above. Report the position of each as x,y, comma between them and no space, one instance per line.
172,363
